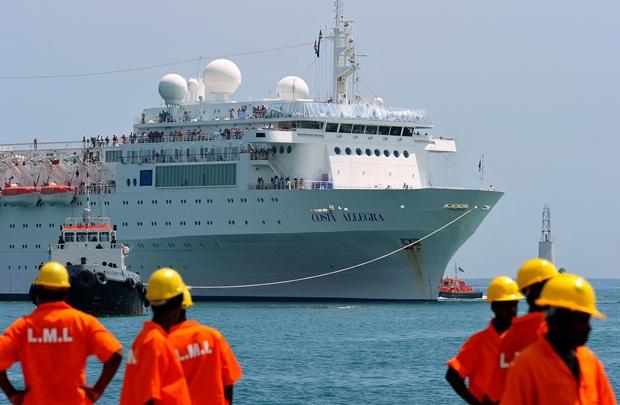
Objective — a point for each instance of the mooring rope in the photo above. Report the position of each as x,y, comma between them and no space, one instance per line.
331,273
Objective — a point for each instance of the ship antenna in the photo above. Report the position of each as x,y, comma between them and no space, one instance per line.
345,56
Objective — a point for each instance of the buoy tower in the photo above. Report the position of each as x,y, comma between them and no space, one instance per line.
545,246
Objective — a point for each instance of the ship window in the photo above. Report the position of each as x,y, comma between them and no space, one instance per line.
371,129
196,175
289,149
384,130
337,150
407,131
331,127
281,149
358,129
81,237
274,149
377,152
69,237
347,151
396,131
310,124
358,151
396,154
345,128
92,236
368,152
386,153
406,154
104,236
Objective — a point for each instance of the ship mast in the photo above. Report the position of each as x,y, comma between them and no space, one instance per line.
345,56
545,246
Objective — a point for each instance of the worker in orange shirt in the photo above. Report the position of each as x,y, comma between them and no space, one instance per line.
558,369
153,374
52,345
477,356
209,365
525,329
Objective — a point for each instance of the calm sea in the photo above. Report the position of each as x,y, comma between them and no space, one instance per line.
347,353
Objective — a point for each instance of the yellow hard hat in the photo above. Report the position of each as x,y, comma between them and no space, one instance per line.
187,299
534,271
572,292
53,275
164,284
503,288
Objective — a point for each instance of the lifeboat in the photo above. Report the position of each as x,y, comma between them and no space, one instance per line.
20,196
56,194
457,288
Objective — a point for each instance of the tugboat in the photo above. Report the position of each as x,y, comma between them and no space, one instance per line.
454,287
100,283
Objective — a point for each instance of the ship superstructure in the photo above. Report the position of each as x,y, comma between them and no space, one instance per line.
235,194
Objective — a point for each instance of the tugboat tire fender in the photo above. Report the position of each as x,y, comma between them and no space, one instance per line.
101,278
130,282
85,279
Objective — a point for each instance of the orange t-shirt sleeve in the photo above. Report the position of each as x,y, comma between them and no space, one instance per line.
101,342
605,392
231,371
464,361
149,374
9,345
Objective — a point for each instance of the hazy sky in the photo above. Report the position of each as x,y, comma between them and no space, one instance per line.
531,84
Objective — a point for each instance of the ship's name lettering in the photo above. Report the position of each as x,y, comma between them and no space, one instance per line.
349,217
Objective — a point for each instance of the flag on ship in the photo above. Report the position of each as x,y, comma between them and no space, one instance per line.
317,44
461,269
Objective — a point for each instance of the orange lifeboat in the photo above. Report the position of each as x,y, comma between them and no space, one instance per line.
20,196
56,194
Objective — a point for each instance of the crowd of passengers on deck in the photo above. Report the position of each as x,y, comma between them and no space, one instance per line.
281,183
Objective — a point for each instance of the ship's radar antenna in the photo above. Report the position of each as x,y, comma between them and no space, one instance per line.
545,246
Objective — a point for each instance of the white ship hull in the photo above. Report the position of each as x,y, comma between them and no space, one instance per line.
284,239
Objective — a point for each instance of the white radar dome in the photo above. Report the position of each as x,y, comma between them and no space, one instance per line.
292,88
377,101
221,77
173,89
194,89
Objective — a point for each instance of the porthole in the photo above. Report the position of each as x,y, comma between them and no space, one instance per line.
281,149
368,152
135,182
347,151
386,153
274,149
358,152
406,154
289,149
377,152
128,182
337,150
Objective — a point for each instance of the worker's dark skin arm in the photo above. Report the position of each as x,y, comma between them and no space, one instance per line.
15,396
458,385
109,369
228,394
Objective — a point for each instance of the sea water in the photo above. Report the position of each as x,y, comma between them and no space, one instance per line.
345,352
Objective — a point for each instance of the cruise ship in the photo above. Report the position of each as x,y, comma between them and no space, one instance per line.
283,198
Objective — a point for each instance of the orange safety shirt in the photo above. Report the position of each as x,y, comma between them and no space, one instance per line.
52,345
540,376
476,359
153,370
208,362
524,331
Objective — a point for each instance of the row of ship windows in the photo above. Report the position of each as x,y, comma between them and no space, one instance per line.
377,152
182,201
370,129
13,226
196,223
37,246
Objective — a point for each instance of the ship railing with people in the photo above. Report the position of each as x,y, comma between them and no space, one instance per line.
280,183
108,187
181,158
40,146
286,109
